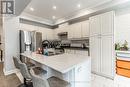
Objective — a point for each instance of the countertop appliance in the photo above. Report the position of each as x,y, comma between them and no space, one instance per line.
30,40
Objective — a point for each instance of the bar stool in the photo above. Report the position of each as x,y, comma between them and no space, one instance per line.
25,73
51,82
17,61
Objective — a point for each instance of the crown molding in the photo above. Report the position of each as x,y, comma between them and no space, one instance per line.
27,16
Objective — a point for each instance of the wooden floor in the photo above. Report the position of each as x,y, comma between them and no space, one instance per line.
8,81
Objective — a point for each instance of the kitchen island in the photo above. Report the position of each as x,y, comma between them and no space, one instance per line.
74,68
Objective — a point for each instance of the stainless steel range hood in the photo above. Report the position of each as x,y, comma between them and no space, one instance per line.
62,33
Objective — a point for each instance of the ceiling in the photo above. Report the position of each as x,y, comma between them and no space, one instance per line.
44,8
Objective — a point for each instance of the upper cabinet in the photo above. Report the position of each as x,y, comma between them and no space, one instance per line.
59,30
102,24
85,28
74,31
107,28
47,34
77,30
94,25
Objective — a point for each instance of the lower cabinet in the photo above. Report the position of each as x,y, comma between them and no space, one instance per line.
107,56
80,52
83,75
79,76
102,54
95,53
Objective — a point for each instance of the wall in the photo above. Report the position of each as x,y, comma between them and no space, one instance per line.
122,25
11,42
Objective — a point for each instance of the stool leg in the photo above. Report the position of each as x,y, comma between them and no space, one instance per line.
25,82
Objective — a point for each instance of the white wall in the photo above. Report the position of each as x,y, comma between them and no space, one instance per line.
122,25
11,42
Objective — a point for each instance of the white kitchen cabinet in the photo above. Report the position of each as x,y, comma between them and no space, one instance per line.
95,45
49,34
59,30
83,74
107,56
70,31
55,33
77,30
94,25
74,31
102,44
107,23
102,24
85,28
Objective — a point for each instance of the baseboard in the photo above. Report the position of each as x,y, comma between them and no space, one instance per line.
10,72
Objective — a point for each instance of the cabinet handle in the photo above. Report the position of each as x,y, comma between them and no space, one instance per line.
79,69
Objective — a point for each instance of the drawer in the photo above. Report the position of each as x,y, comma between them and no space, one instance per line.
123,64
123,72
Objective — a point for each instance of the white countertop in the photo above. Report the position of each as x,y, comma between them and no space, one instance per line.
62,62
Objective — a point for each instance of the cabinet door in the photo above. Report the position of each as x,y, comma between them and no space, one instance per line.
70,31
55,33
49,34
107,56
95,25
77,30
95,45
74,31
85,29
107,23
83,74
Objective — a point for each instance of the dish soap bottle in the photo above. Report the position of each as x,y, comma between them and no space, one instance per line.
46,51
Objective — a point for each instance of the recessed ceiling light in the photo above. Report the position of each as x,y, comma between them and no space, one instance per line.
54,7
79,5
53,17
32,9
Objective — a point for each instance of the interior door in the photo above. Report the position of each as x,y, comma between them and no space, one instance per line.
95,53
95,25
107,56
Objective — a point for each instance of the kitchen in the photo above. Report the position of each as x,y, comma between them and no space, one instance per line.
57,49
78,48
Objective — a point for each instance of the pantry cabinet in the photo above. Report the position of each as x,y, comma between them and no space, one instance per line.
107,23
102,24
95,45
102,44
95,25
107,56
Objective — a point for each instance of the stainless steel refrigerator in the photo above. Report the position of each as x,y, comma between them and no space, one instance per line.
30,40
